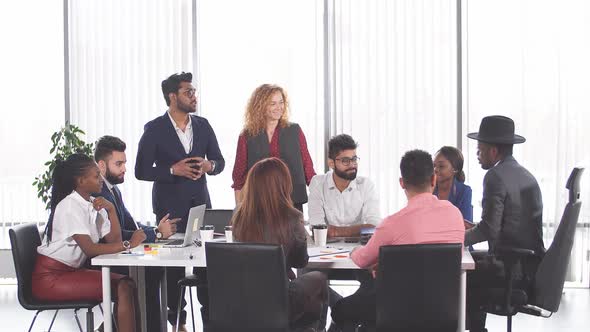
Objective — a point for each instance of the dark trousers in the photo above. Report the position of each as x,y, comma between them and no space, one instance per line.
173,275
308,296
478,281
153,275
358,308
488,273
363,276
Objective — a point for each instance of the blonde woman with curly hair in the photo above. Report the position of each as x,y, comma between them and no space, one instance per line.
268,133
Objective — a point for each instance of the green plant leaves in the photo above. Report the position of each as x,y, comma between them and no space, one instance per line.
65,142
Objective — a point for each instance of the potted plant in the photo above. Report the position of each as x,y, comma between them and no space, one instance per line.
66,142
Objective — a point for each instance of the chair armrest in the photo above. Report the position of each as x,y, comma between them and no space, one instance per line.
510,257
517,253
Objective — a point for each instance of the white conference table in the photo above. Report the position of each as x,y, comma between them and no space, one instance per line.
195,257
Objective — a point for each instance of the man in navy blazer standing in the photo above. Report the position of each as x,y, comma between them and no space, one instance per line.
176,150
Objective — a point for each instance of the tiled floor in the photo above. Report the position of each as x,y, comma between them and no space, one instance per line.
573,315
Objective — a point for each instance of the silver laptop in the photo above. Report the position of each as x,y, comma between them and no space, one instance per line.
193,224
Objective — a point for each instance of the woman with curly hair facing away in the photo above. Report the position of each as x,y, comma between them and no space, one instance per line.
266,215
267,133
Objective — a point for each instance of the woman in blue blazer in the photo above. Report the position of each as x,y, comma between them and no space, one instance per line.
448,167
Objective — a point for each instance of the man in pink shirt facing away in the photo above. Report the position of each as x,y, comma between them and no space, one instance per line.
425,219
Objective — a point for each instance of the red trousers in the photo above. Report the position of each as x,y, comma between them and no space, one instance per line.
55,281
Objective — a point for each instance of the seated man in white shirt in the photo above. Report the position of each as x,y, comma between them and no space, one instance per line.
341,199
345,202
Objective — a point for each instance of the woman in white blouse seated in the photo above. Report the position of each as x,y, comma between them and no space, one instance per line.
76,224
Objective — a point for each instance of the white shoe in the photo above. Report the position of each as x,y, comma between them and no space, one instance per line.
181,329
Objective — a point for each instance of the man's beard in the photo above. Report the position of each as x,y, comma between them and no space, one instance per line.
345,175
186,108
114,179
485,165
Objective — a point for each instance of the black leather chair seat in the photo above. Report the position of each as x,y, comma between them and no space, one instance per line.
40,305
24,240
518,297
248,287
498,295
189,281
418,288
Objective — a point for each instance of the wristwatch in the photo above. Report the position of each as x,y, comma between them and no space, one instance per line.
158,234
212,166
171,171
127,245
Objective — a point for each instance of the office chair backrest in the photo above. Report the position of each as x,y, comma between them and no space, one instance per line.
24,240
218,218
552,270
418,287
248,287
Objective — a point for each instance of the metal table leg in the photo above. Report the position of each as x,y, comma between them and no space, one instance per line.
462,301
163,302
106,298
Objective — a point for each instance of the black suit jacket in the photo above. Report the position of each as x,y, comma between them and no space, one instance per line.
159,148
512,209
125,219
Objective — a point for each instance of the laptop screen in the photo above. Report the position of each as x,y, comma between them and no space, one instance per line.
194,222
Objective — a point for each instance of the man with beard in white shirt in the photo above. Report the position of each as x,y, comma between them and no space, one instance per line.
345,202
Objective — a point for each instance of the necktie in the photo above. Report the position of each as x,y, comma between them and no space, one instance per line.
118,201
119,208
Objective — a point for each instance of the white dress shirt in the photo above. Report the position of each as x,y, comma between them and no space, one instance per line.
355,205
74,215
109,185
186,136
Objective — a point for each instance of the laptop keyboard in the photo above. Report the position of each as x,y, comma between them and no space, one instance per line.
175,242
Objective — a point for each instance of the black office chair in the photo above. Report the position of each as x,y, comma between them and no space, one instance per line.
542,295
418,288
25,240
218,218
248,287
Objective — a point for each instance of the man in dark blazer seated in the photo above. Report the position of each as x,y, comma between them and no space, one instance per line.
110,156
175,151
512,212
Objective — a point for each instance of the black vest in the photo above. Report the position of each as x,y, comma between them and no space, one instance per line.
290,151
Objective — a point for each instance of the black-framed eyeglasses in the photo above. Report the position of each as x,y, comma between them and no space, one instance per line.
190,92
346,161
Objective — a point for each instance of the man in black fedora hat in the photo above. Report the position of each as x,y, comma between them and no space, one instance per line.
512,212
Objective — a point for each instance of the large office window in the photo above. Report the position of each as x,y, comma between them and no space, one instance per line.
394,74
243,44
32,94
529,60
120,51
